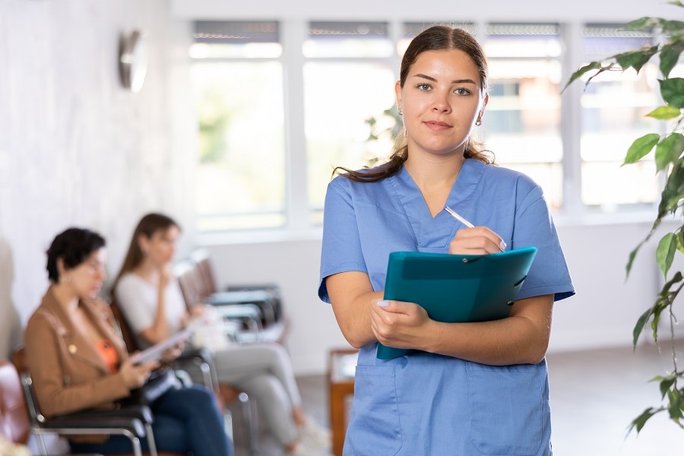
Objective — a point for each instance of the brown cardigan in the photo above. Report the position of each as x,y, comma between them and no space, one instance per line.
68,373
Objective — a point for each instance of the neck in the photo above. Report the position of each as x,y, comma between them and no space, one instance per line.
66,296
431,171
147,270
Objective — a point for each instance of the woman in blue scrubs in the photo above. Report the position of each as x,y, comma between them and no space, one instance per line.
473,388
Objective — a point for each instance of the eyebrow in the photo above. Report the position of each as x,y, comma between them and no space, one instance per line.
455,81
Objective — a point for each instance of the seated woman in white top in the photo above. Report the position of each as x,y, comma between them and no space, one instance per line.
151,300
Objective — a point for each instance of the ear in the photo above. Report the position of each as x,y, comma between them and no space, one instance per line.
143,243
485,100
397,95
60,266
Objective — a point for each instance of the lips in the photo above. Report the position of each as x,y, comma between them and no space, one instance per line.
437,125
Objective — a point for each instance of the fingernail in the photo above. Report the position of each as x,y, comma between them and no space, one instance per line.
382,303
502,245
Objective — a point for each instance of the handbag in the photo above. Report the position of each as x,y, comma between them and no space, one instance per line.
159,382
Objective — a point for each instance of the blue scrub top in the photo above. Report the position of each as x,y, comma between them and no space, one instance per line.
425,404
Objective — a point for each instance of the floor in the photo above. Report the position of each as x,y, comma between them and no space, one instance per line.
594,396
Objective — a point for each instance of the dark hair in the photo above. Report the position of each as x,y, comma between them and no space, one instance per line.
73,246
435,38
147,226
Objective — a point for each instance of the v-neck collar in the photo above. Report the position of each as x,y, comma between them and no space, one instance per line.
433,234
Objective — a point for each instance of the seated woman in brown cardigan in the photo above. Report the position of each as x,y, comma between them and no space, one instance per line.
78,360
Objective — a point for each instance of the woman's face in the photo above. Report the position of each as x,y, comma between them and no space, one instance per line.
441,100
86,279
161,247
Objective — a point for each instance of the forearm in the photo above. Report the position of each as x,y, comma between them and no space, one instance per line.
513,340
522,338
159,330
354,319
352,296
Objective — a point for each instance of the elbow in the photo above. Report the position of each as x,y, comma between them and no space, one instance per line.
355,338
535,354
356,343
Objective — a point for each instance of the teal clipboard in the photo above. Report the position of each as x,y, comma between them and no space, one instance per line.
456,288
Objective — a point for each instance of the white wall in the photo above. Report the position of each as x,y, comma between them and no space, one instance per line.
76,148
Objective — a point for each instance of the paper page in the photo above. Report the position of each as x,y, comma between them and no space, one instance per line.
155,352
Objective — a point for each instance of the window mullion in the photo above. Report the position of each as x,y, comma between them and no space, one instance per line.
571,121
293,36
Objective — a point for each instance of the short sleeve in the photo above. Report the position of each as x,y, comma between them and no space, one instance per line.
134,301
341,247
534,227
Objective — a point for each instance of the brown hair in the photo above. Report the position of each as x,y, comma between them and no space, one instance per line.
147,226
435,38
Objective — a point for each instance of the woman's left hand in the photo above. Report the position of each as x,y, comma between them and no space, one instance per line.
173,352
399,324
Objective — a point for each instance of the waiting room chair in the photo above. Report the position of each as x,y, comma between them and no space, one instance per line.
199,279
133,422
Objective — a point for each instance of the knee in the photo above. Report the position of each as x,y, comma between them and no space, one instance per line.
196,396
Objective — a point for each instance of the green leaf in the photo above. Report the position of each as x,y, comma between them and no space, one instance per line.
675,407
577,74
676,3
680,241
636,59
641,147
639,326
672,90
669,55
643,23
632,256
665,112
673,192
672,26
665,383
668,150
639,422
665,252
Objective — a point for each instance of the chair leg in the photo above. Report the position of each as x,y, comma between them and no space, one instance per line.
41,443
250,422
151,444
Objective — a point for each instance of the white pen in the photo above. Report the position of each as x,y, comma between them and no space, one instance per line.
458,217
465,221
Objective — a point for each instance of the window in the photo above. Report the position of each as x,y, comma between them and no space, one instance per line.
266,159
522,120
614,106
348,79
238,88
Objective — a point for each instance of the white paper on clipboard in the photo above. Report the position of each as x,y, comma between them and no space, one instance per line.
155,352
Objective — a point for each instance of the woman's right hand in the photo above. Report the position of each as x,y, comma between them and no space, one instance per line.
164,276
135,375
478,240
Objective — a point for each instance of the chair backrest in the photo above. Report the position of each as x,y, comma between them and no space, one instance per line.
191,282
205,270
14,421
126,331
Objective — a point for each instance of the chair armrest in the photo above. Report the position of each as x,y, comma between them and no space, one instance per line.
90,423
232,311
140,412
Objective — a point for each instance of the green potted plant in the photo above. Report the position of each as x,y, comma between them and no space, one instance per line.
668,150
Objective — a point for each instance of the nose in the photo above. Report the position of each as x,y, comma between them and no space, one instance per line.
441,104
102,273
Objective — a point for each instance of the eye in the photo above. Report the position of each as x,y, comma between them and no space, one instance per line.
423,86
462,91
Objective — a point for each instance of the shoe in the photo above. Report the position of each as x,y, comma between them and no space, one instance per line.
315,436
